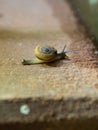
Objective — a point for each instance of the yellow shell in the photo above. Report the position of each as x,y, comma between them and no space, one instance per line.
45,52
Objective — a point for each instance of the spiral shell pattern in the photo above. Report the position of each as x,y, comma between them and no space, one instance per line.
45,52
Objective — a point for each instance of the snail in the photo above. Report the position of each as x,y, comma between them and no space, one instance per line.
46,54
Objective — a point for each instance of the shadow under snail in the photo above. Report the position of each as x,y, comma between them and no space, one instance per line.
46,54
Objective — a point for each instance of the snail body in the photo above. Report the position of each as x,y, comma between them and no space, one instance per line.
45,54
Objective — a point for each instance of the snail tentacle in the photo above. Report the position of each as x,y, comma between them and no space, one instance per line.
63,48
61,55
71,51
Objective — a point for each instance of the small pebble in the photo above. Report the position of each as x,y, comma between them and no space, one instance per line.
96,52
24,109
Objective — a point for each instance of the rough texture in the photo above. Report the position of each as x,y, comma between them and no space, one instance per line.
66,89
63,78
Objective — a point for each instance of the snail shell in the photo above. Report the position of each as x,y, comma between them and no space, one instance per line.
45,52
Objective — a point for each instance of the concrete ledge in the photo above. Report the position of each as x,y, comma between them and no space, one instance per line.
50,110
71,114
